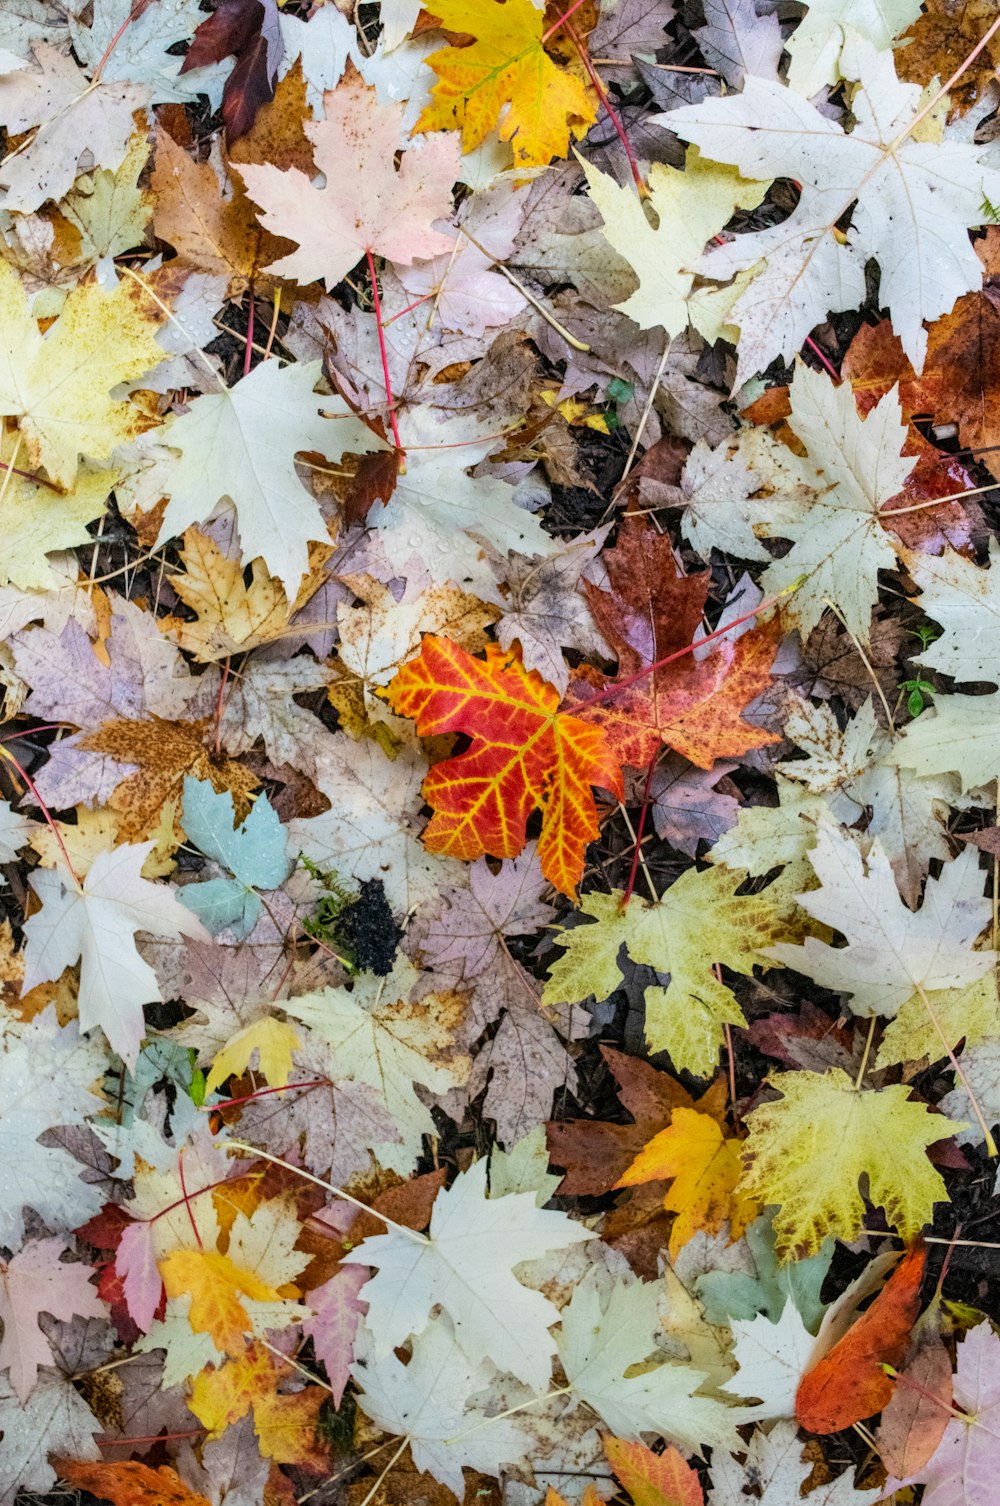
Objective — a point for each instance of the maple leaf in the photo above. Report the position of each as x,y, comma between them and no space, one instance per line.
704,1167
693,705
605,1338
506,64
525,755
882,1134
142,53
47,1073
240,1292
36,520
241,443
129,1483
546,612
167,753
691,205
73,117
963,1466
285,1425
928,192
95,923
54,1420
918,966
34,1281
250,31
653,1479
775,1468
700,921
366,204
233,616
466,1265
254,852
380,1035
816,43
57,385
213,231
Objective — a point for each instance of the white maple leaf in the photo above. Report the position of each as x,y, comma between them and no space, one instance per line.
913,203
54,1420
324,43
892,953
241,444
691,206
15,830
95,923
466,1267
46,1078
853,769
958,735
431,1401
981,1069
815,45
438,512
371,830
604,1334
775,1471
839,541
34,1281
965,599
772,1356
141,53
75,119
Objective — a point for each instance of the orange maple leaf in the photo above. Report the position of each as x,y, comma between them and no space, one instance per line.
654,1479
215,1285
703,1166
129,1483
526,755
285,1424
694,705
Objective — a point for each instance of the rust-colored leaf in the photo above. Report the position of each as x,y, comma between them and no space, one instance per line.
130,1483
849,1383
249,31
525,755
694,705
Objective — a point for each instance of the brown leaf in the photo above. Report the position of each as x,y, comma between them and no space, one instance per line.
210,224
248,30
941,39
914,1420
165,752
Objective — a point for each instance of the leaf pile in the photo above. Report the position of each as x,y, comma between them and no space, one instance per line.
499,641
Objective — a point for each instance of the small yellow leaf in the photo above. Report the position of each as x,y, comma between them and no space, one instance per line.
273,1039
215,1286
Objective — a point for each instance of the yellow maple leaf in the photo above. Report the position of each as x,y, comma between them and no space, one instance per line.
231,615
215,1285
705,1167
285,1424
272,1039
808,1150
57,386
506,65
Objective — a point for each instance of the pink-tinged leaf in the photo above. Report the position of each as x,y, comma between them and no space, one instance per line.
135,1263
337,1306
916,1416
366,204
36,1281
964,1467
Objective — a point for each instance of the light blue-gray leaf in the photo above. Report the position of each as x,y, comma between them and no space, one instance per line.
735,1294
255,852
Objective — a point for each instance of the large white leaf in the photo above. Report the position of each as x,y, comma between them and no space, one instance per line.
241,444
96,924
430,1401
913,203
891,952
466,1267
603,1336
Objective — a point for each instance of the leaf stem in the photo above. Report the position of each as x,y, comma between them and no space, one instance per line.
254,1150
47,814
377,301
